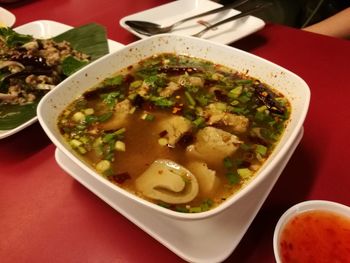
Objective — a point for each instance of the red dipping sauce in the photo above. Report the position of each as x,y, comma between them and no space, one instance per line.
316,237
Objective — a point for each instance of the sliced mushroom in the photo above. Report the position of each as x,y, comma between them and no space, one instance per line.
7,97
7,63
169,182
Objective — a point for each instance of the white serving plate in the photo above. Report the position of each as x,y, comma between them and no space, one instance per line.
292,86
45,29
318,205
205,241
6,18
177,10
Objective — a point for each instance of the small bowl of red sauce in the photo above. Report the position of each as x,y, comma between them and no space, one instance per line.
313,231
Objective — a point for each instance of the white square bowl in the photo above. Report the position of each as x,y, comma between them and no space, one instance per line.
292,86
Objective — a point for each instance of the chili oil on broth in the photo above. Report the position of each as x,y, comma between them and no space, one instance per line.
121,126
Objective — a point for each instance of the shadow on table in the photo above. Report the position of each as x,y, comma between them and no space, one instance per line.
15,3
249,43
23,144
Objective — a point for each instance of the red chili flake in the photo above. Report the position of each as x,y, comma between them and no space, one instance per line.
176,110
163,133
120,178
186,139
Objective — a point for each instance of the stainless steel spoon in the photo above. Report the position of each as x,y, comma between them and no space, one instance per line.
247,12
152,28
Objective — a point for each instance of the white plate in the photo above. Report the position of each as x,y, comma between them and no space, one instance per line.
204,241
177,10
45,29
6,18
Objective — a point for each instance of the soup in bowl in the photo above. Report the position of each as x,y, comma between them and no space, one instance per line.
179,124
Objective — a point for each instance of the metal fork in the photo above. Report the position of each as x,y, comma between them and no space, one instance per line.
232,18
152,28
247,12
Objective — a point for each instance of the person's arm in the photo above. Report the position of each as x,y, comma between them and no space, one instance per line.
337,25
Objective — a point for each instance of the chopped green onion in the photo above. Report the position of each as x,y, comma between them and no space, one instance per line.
199,122
136,84
261,149
117,80
235,92
78,116
75,143
228,163
233,177
163,204
108,137
120,146
245,147
82,150
262,108
180,209
91,119
244,173
106,116
163,141
189,98
244,98
196,209
243,81
89,111
161,101
147,117
103,165
120,131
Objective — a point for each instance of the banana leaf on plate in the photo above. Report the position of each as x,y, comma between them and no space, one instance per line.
89,39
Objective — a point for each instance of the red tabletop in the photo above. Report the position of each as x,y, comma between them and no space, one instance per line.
47,216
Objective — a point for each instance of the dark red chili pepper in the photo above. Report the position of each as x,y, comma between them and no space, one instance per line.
268,99
29,61
120,178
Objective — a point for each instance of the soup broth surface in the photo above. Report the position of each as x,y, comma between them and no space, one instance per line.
181,132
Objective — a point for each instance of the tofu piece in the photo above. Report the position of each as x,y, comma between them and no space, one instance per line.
212,145
119,117
175,127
